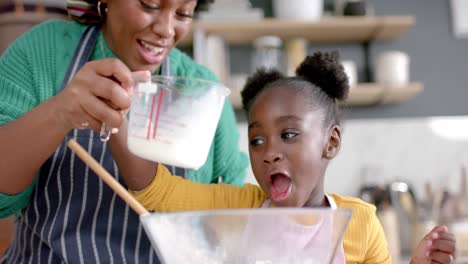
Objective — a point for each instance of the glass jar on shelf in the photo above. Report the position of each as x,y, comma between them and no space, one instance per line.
267,53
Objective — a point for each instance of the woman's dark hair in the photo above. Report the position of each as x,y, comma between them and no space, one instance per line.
320,77
85,11
202,5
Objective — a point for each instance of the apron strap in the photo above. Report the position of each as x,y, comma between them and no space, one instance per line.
82,52
166,67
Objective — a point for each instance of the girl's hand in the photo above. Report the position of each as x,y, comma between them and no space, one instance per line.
438,246
98,93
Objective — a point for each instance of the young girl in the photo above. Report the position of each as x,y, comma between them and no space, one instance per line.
294,131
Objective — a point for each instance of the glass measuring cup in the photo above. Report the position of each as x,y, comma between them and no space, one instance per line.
248,236
173,119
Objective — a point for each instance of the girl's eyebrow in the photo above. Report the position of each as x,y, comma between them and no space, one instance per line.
253,125
288,118
278,120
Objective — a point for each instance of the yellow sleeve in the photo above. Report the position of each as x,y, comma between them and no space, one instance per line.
168,193
377,249
364,240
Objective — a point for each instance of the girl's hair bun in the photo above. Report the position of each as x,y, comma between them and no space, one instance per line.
325,71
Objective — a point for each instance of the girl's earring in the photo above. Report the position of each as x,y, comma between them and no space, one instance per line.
328,155
101,6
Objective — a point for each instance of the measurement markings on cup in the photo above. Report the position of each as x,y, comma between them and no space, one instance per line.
158,113
153,101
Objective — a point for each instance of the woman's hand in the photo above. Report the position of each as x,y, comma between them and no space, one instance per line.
99,93
438,246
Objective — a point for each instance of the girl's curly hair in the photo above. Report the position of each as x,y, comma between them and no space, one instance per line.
320,77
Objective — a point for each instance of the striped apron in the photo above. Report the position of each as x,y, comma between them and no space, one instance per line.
73,217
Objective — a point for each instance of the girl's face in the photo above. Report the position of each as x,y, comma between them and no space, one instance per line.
143,32
288,147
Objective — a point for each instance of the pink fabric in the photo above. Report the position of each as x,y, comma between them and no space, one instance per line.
305,243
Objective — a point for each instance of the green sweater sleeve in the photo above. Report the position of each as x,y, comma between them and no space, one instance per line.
12,204
17,95
16,98
25,73
229,161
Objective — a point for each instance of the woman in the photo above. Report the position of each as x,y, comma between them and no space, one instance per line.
67,79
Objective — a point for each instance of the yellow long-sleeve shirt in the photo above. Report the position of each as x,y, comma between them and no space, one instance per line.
363,242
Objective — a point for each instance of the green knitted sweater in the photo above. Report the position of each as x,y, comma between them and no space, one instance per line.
32,70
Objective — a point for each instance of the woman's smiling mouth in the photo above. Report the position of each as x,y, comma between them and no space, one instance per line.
151,53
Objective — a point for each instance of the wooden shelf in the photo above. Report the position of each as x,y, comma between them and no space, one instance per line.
367,94
30,18
13,24
329,29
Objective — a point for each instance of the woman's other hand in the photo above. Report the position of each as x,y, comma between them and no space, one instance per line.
99,93
438,246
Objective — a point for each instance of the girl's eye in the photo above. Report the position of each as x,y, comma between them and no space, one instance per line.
148,5
288,135
256,141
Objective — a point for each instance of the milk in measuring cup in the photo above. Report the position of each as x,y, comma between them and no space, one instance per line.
177,130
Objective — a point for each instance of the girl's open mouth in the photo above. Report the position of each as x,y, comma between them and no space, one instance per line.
281,186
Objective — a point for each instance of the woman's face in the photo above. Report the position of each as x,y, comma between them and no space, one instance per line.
143,32
286,145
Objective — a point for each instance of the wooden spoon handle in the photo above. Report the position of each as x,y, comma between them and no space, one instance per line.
106,177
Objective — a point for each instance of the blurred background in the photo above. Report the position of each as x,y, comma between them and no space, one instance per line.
405,141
